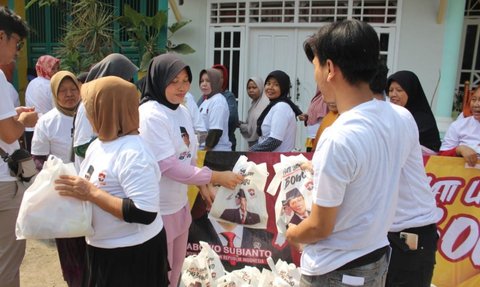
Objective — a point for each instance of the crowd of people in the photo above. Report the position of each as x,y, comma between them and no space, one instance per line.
367,147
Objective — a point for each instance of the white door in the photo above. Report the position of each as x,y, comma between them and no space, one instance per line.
282,49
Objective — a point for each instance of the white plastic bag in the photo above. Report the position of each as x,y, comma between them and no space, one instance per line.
285,274
202,270
246,205
294,199
248,276
44,214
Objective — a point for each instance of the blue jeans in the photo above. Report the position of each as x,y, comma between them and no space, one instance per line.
374,275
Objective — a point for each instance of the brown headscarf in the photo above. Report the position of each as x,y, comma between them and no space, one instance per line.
55,82
111,104
215,77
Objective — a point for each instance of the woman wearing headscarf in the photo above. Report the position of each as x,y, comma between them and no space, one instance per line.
232,105
112,65
317,110
276,125
53,136
167,128
38,93
53,132
214,110
404,89
260,101
119,176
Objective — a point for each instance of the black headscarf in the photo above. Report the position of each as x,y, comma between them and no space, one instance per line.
113,65
161,71
418,106
284,81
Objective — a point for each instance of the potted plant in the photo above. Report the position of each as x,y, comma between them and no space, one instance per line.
145,32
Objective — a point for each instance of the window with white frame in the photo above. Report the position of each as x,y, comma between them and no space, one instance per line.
303,11
228,17
470,61
226,51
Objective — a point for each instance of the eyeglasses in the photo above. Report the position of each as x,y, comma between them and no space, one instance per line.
20,42
20,45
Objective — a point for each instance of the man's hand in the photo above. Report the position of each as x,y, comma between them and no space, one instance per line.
28,119
22,109
296,245
307,166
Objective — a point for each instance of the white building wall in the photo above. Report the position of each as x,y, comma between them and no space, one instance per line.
193,34
419,47
420,43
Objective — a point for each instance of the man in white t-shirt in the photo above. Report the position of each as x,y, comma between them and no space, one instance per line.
356,165
12,125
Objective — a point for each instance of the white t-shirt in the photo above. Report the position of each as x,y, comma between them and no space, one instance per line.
53,135
192,107
312,130
463,131
83,132
39,95
125,168
357,167
7,110
13,95
160,128
416,205
215,115
280,124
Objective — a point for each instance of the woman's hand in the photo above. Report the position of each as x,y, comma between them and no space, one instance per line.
307,166
226,179
75,186
208,193
470,155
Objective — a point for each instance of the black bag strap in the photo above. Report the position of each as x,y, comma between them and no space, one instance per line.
5,156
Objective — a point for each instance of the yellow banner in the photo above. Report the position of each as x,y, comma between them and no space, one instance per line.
457,190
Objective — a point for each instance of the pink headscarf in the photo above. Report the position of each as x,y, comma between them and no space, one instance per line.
317,109
45,66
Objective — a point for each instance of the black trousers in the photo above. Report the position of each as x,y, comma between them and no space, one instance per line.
412,268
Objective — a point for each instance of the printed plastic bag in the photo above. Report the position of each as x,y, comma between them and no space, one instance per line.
294,201
284,274
246,277
202,270
45,214
246,205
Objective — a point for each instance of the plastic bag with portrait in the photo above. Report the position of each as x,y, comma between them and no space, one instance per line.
294,200
246,205
248,276
202,270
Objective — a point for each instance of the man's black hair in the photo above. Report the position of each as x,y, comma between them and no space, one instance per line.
12,23
351,45
379,82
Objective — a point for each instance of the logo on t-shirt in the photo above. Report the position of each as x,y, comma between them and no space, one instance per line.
89,172
101,178
185,136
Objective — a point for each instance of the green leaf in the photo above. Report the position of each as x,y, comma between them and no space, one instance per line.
145,61
182,49
178,25
159,20
133,16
